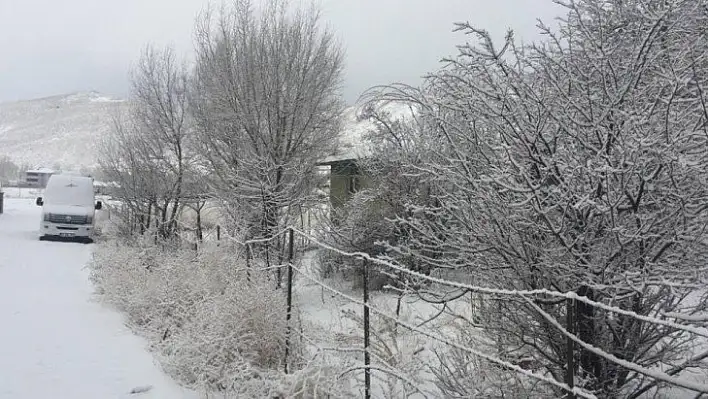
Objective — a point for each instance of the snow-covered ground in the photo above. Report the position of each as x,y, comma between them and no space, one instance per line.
16,192
55,341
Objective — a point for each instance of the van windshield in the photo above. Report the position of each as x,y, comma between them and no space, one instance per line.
74,193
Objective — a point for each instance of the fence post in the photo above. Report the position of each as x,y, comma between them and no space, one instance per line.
367,356
288,316
248,262
570,346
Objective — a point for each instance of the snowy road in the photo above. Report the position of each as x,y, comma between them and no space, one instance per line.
55,342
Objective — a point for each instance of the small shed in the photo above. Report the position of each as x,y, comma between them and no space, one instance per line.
345,174
345,179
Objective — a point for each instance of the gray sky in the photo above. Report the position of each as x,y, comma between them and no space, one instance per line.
52,47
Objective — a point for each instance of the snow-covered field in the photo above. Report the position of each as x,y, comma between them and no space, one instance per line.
55,341
16,192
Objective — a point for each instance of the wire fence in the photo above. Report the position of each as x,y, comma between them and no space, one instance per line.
567,327
293,241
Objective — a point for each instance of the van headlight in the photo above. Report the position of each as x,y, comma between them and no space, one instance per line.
47,217
89,219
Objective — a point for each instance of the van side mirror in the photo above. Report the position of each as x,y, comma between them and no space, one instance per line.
39,201
99,205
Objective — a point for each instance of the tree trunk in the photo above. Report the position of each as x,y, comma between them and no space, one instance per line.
200,233
590,363
172,226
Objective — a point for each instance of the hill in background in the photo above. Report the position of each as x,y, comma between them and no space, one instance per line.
56,131
63,132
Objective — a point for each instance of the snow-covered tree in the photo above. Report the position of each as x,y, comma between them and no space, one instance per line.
149,153
268,106
575,165
8,169
122,163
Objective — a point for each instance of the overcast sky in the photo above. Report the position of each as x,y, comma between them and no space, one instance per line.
50,47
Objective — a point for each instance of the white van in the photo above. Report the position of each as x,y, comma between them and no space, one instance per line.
68,208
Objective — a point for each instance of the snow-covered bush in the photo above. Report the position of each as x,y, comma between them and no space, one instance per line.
363,222
211,325
461,374
576,165
369,222
398,354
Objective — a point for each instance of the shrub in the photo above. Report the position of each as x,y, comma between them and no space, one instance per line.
363,222
211,325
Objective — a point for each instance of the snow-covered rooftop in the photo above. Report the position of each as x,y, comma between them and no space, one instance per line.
41,170
352,142
98,183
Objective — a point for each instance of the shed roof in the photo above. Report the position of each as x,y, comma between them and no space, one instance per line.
352,142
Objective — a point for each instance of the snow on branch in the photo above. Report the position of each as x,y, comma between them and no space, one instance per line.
503,292
655,374
575,390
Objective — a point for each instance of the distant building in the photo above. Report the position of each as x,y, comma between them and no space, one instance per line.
37,178
104,188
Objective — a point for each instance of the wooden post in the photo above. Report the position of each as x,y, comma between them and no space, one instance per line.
288,316
367,356
278,272
248,262
200,233
570,346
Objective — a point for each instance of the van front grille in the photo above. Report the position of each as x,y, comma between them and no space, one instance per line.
68,219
